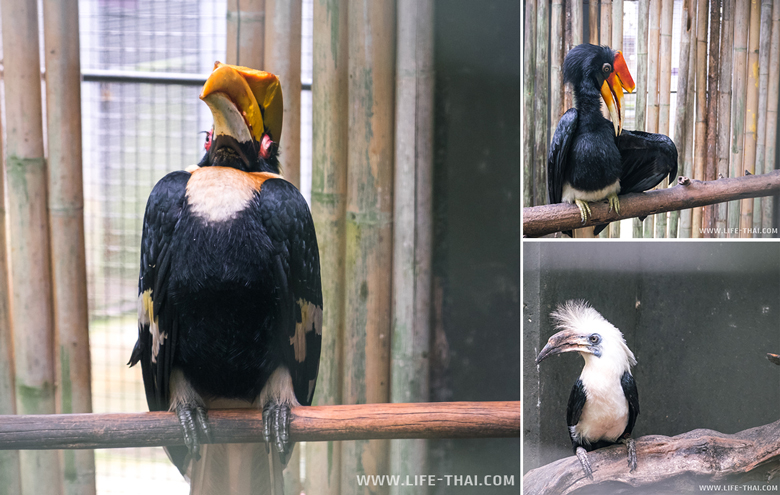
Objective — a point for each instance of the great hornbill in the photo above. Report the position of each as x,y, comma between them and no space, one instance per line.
591,159
604,402
230,301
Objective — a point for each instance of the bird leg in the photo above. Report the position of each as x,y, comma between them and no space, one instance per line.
276,424
584,210
614,203
194,422
582,455
631,446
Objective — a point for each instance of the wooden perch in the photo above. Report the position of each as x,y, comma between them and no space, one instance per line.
543,220
693,458
321,423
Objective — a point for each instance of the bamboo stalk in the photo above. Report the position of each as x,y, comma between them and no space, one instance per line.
66,217
664,88
31,302
412,225
686,216
605,38
548,219
724,106
739,96
529,127
283,58
542,115
568,43
687,27
641,80
557,16
653,63
576,21
700,150
763,82
307,424
712,108
369,249
330,105
771,113
617,25
751,116
245,33
593,22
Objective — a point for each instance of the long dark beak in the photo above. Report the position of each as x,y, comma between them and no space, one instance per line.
612,90
564,341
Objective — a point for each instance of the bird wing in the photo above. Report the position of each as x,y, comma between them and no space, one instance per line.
647,158
576,403
287,220
559,149
632,395
157,324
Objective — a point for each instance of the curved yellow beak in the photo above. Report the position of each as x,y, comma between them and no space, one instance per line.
256,94
612,90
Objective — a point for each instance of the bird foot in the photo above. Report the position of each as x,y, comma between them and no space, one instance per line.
195,426
614,203
631,446
584,210
276,429
582,455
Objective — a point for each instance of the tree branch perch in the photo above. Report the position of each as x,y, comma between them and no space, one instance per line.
698,456
320,423
543,220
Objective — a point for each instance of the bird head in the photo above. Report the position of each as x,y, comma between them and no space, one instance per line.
247,108
604,69
582,329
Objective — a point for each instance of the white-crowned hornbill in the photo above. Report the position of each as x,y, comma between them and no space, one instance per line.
230,302
604,402
591,159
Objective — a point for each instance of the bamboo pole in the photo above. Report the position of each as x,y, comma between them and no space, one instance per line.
283,58
541,112
369,229
568,43
771,113
10,474
641,80
31,302
687,27
245,33
330,105
712,108
690,98
529,122
724,106
700,150
66,217
739,95
617,25
605,38
413,226
664,88
653,63
751,116
593,22
763,82
576,20
557,16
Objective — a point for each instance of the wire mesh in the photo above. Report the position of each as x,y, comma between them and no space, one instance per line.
135,133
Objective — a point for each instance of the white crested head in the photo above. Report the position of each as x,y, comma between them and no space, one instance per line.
579,318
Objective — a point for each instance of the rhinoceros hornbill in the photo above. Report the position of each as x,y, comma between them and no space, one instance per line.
591,158
230,302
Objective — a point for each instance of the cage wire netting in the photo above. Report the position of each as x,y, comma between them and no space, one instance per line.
133,134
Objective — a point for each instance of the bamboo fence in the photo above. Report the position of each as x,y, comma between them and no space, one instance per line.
688,25
763,90
771,114
724,104
643,13
712,108
700,132
529,110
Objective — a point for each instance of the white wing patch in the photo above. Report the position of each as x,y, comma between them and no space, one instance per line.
146,317
311,319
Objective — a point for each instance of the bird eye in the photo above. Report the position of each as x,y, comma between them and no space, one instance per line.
606,68
595,338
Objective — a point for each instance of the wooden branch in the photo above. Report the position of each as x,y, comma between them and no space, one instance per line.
543,220
693,457
311,424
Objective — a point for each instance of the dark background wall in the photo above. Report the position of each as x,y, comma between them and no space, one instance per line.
477,241
699,317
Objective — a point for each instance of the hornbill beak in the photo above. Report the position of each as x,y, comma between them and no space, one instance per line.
565,341
612,90
246,104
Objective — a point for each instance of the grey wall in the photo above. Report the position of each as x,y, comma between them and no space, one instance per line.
699,317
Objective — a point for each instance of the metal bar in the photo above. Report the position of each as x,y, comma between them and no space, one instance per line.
145,77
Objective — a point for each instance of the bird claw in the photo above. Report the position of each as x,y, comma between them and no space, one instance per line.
631,446
194,423
584,462
584,210
614,203
276,429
